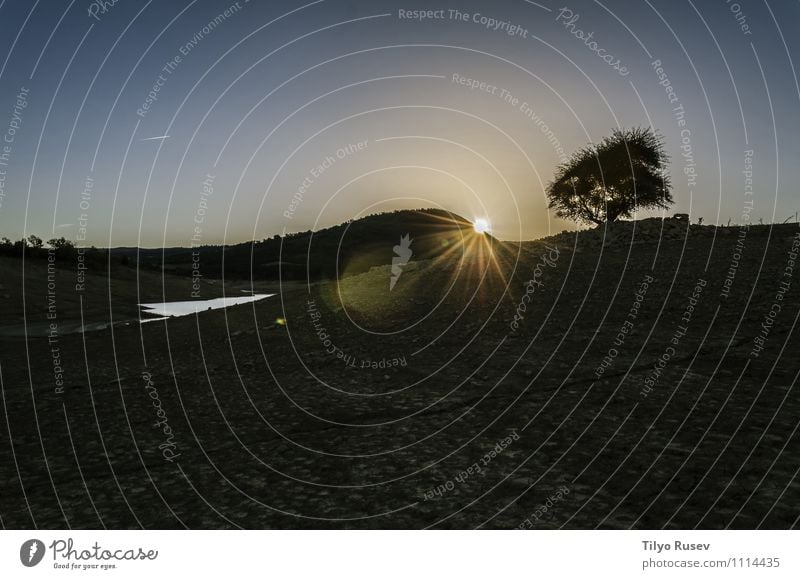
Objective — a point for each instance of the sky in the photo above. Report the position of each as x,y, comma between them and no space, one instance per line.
286,116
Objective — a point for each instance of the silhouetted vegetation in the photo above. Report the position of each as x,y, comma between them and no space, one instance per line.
613,179
63,252
347,249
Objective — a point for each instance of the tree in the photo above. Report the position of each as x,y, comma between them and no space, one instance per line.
612,179
59,243
35,242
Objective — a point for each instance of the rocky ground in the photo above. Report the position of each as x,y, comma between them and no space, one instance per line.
634,388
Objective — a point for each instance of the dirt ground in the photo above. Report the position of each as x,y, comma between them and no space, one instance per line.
553,384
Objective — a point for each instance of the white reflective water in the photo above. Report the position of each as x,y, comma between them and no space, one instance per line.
167,309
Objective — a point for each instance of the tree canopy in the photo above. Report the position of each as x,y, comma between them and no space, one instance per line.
603,182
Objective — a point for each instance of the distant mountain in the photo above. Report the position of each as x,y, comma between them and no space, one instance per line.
347,249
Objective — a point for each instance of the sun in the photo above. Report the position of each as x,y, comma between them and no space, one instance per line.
481,225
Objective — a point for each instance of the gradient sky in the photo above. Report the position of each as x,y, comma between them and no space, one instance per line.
262,98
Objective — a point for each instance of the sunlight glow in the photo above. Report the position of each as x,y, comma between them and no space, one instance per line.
481,225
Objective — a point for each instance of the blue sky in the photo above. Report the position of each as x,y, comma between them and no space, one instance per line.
262,95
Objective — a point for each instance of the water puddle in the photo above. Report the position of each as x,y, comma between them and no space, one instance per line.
166,310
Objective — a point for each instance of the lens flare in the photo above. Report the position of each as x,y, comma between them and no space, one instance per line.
481,225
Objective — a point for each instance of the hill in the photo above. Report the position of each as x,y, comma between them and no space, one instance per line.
347,249
648,381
